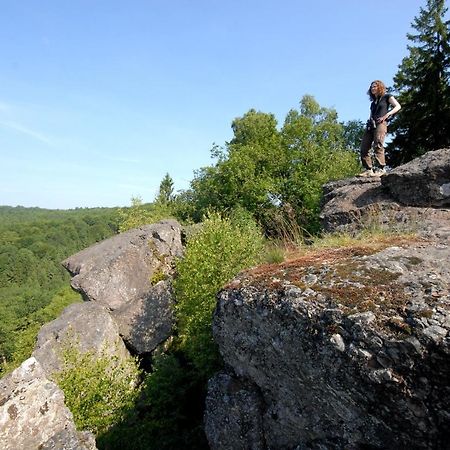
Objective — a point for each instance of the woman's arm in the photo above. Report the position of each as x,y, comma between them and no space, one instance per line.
396,107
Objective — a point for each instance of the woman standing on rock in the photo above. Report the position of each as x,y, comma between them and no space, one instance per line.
383,107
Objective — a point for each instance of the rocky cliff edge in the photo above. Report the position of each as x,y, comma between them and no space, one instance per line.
344,348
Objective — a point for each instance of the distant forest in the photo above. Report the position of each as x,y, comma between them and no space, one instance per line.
34,287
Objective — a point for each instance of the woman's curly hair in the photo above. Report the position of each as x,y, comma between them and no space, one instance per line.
380,89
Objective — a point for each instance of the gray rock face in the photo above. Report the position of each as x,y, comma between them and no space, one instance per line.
33,415
118,270
87,326
146,322
119,274
234,411
401,198
342,349
424,181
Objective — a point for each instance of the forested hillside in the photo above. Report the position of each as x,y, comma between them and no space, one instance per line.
34,287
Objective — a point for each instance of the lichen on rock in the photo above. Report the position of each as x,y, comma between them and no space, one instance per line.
344,348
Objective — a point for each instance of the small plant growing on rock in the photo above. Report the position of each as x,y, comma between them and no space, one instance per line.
157,276
99,390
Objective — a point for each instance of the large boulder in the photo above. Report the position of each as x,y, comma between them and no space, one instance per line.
146,322
341,349
354,203
424,181
118,270
123,274
33,415
85,326
405,197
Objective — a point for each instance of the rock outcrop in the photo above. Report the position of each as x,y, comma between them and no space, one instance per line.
33,414
126,282
147,322
346,348
423,182
86,326
123,274
415,193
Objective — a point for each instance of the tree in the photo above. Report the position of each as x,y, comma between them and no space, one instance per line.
262,169
165,193
353,134
135,216
317,152
248,168
422,83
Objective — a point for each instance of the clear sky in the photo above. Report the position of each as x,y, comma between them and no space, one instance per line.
99,99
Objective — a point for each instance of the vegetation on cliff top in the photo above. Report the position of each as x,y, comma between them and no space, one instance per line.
266,178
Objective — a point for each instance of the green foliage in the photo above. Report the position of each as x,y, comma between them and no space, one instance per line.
183,207
262,167
274,254
23,337
157,276
33,242
165,193
423,86
314,141
98,390
168,414
222,248
353,134
248,169
135,216
143,214
284,227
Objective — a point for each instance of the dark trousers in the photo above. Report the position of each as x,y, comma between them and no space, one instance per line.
373,138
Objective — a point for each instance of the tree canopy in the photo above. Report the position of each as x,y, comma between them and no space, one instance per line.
422,83
165,193
263,168
33,284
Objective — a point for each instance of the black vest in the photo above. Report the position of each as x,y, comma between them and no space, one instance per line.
380,106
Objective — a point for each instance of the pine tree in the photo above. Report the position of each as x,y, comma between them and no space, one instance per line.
422,83
165,194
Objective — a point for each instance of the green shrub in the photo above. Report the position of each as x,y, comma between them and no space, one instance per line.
168,414
223,247
99,390
143,214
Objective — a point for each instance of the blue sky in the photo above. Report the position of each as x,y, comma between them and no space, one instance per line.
100,99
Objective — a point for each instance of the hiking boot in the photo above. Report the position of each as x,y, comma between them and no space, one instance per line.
379,172
367,173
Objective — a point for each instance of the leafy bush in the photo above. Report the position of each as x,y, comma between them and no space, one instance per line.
143,214
99,390
168,414
223,247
